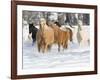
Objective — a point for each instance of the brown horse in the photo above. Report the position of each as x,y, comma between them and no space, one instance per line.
65,28
45,36
61,37
70,31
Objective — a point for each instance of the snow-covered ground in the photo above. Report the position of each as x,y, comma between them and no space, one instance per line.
74,56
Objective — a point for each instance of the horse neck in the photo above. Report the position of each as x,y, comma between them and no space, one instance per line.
44,27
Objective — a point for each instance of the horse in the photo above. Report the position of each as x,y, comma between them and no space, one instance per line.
25,30
61,37
82,35
32,32
45,36
65,28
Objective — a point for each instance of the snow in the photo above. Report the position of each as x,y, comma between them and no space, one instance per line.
74,56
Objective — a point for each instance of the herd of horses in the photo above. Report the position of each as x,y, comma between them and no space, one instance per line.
49,34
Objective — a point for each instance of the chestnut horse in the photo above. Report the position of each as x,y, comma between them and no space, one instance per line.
61,37
65,28
45,36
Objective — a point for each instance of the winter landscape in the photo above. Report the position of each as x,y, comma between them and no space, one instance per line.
76,55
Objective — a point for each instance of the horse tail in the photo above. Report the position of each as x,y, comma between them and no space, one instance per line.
70,33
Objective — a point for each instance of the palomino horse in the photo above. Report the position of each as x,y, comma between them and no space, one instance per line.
61,37
45,36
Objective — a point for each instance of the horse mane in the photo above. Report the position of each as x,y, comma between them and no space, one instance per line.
40,26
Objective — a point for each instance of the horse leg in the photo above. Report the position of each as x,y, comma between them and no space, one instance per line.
44,48
33,42
49,47
58,46
39,47
64,46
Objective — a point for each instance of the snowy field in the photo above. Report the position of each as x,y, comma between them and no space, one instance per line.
73,56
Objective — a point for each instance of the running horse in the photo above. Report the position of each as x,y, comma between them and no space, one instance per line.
32,33
65,28
61,37
45,36
82,35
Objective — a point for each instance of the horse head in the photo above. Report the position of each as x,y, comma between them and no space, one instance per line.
43,24
57,23
42,21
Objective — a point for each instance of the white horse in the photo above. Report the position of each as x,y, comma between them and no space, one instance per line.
25,30
81,35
